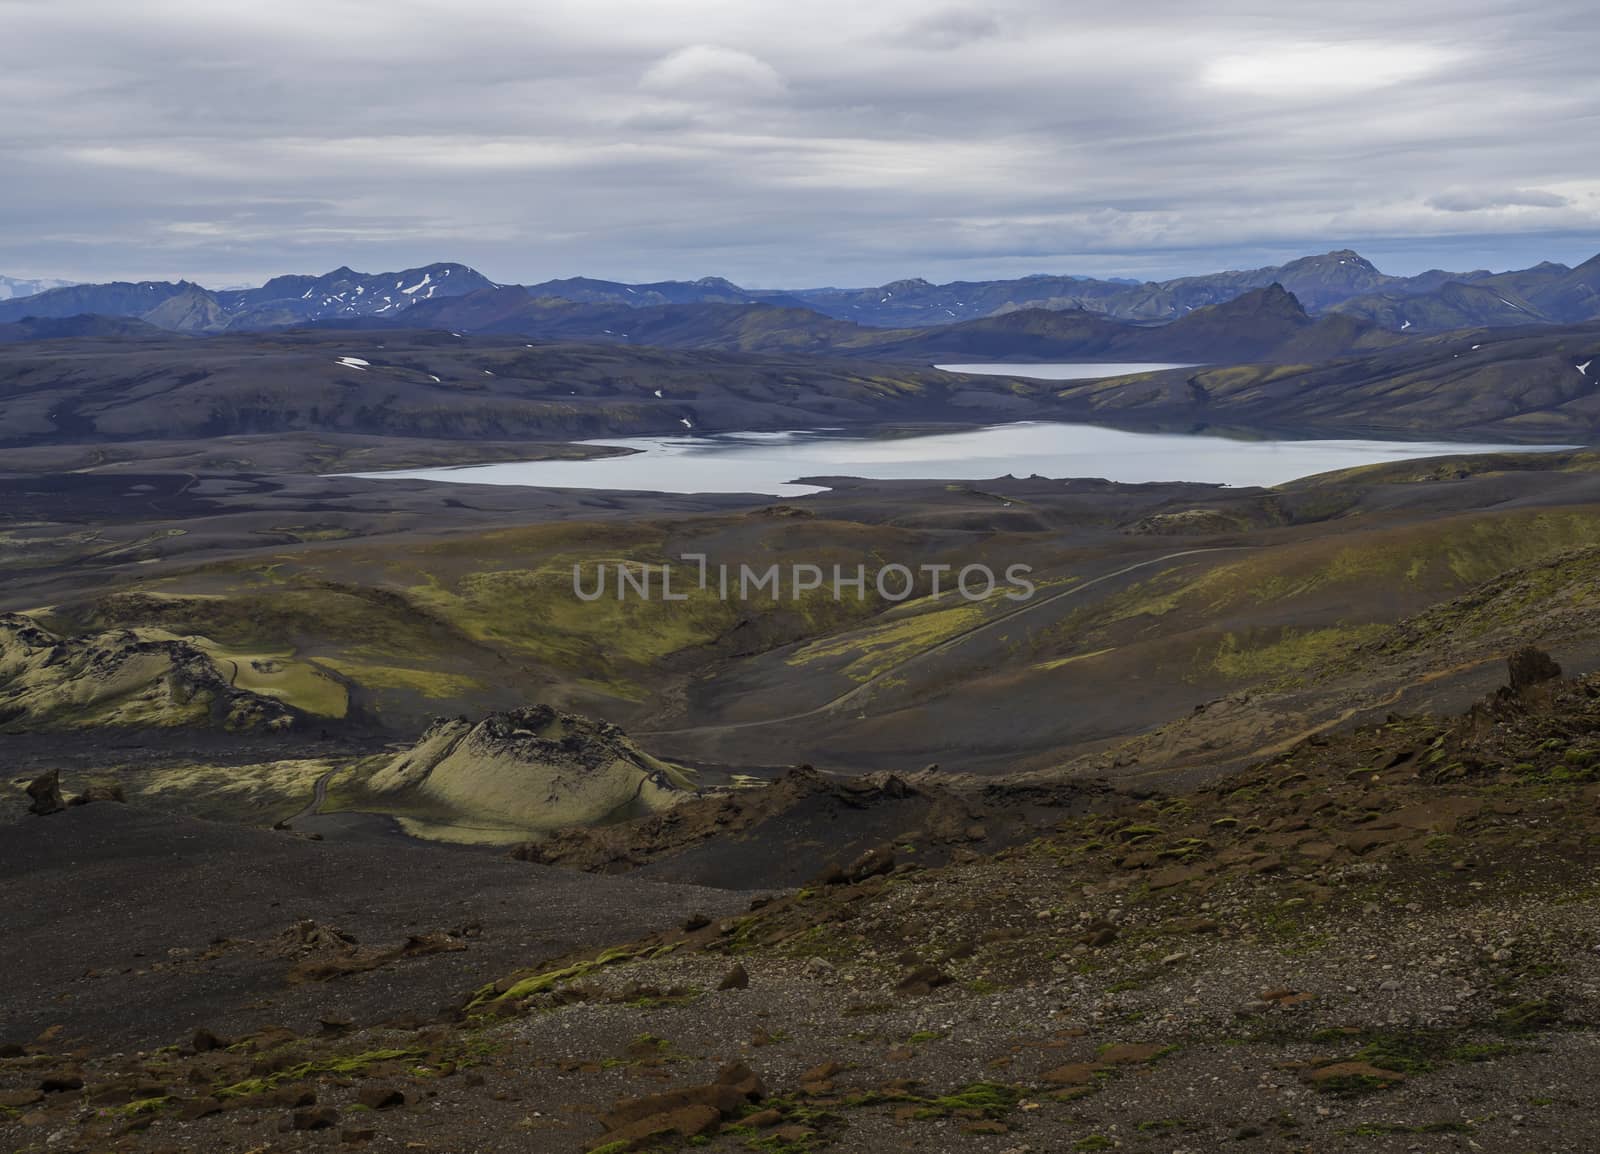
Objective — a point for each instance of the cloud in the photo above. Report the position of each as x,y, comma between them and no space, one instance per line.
710,72
951,28
1314,71
1466,200
776,143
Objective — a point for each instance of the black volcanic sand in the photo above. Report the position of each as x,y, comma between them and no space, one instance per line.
112,908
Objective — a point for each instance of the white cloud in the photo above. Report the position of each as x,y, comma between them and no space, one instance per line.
1314,71
710,72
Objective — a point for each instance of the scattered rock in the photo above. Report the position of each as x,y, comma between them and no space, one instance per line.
44,793
205,1041
376,1096
100,793
735,979
874,862
316,1118
197,1108
818,967
1530,666
920,980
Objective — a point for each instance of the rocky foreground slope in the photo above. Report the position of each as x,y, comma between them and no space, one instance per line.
1381,939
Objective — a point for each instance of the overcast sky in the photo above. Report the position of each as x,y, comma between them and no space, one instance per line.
778,142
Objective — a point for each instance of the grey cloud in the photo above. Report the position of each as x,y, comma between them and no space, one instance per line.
1478,200
952,28
775,143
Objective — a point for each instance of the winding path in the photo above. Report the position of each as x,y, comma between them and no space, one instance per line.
948,643
319,795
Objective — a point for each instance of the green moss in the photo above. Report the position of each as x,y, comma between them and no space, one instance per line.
1528,1017
989,1099
539,983
1272,653
424,682
344,1065
875,650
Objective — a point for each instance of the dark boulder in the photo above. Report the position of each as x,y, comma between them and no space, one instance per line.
1529,667
44,793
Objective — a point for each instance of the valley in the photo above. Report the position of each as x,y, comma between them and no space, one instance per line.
933,868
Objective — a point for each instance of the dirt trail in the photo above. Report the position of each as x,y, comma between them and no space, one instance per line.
319,795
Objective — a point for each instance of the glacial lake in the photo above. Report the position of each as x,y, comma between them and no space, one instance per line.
1074,371
770,463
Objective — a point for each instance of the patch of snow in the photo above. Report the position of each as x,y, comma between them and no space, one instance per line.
625,287
306,295
353,363
658,391
1584,368
435,379
684,421
1475,348
1508,304
423,283
1403,327
487,373
360,288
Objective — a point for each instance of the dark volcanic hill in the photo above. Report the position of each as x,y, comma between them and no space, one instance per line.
1320,282
1538,382
706,290
436,385
77,327
1266,324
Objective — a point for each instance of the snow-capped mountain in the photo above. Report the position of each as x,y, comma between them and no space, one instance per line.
11,287
282,301
346,293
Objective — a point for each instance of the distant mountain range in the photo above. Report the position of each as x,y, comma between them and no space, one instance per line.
282,302
1341,282
1266,324
11,287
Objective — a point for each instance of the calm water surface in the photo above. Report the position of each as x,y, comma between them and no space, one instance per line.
772,462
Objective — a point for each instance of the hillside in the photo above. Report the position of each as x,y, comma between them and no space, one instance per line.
1266,324
436,385
1528,383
